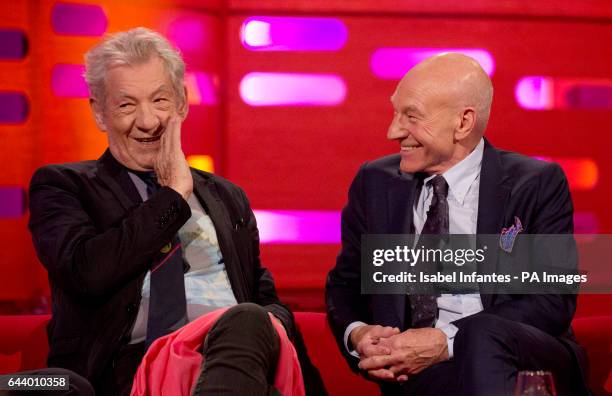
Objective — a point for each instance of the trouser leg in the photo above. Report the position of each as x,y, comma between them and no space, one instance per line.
490,351
240,354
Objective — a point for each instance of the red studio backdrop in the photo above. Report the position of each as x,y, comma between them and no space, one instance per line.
327,68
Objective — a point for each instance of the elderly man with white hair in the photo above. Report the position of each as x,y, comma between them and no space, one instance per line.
137,244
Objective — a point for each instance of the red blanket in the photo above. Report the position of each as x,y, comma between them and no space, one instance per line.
172,364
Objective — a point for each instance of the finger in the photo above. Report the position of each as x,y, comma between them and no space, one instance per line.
387,331
372,350
402,378
381,374
176,131
376,362
168,139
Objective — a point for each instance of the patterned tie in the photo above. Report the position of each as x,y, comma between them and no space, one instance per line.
167,304
423,307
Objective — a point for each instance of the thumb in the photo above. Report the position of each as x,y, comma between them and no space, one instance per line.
388,331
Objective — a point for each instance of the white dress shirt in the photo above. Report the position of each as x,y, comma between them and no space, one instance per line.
463,186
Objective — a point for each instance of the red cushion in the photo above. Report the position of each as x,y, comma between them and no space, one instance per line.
23,346
595,335
23,342
324,353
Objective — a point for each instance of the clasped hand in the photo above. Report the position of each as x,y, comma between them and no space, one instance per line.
390,355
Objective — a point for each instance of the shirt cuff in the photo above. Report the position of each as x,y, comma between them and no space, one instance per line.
347,333
450,330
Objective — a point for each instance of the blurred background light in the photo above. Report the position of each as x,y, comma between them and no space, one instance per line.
14,107
13,44
202,162
67,81
546,93
187,33
581,173
298,226
201,88
292,89
293,34
78,19
393,62
12,202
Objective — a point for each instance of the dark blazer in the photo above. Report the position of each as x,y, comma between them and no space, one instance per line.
380,202
97,239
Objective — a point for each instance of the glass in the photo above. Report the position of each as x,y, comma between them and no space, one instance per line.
535,383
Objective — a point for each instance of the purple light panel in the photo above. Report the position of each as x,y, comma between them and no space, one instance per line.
12,202
78,19
585,223
534,93
323,227
187,33
201,88
14,107
67,81
293,34
298,226
393,63
292,89
13,44
546,93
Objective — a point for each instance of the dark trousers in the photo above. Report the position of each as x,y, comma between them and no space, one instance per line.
119,375
241,351
240,354
489,351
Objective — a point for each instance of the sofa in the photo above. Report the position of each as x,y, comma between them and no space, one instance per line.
23,346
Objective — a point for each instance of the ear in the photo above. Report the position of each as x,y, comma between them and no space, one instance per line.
96,109
467,122
184,107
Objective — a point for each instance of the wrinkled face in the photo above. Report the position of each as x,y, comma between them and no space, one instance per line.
423,124
139,102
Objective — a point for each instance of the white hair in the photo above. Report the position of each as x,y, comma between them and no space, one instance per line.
133,47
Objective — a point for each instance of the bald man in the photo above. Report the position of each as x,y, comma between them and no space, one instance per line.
469,344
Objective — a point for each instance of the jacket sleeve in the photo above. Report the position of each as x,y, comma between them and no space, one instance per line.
345,303
551,313
82,258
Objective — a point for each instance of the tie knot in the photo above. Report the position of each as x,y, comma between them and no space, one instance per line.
439,185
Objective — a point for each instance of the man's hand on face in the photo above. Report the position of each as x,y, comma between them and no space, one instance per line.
411,352
366,341
171,166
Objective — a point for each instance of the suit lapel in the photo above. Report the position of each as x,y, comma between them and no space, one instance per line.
492,200
400,199
118,181
400,202
205,190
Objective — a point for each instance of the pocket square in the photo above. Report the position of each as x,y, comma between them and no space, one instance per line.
508,235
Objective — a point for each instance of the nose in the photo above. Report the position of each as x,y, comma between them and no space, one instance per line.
146,119
396,131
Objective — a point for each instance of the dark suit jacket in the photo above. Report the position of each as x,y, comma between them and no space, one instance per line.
97,240
380,202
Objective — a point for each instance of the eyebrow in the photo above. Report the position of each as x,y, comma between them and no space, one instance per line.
412,109
161,88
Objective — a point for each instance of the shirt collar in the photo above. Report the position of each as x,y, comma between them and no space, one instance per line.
461,175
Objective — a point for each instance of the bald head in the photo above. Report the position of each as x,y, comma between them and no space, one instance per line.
441,109
458,80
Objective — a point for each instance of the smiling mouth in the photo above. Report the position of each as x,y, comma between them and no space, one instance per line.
148,139
410,148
